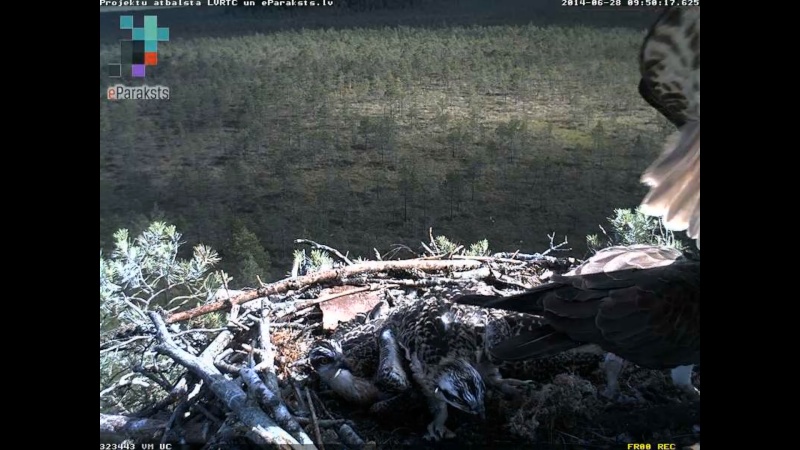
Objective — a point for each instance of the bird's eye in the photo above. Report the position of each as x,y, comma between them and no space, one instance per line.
321,360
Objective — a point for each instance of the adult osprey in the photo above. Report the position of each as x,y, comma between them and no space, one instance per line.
639,302
670,67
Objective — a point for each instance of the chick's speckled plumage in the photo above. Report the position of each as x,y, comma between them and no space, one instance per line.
443,347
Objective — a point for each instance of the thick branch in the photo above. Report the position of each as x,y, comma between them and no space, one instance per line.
115,428
325,276
276,408
262,429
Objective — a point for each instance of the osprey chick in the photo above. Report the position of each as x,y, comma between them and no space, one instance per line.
440,346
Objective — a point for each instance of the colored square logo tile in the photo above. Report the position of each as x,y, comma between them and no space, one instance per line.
137,70
150,46
138,34
150,58
115,70
125,22
163,34
126,52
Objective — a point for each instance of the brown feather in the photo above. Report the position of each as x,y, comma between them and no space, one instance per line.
675,183
645,311
670,68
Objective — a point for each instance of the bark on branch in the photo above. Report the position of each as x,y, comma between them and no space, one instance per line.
115,428
262,429
325,276
276,407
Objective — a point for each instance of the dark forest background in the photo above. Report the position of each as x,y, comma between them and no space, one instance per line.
365,124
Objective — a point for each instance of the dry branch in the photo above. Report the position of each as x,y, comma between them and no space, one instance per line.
217,346
314,420
477,274
115,428
267,363
326,248
273,403
325,423
325,276
224,366
262,429
425,282
490,259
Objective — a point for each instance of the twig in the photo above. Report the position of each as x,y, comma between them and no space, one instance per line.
525,256
489,259
227,291
325,276
200,330
125,381
152,375
433,242
224,366
237,323
321,405
122,344
262,429
326,248
294,325
314,420
397,248
451,253
325,423
556,248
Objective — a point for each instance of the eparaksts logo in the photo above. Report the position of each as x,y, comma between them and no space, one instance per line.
145,92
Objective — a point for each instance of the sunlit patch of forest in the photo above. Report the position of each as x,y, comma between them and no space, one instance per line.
344,127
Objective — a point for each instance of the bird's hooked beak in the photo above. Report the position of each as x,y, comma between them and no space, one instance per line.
341,365
480,411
